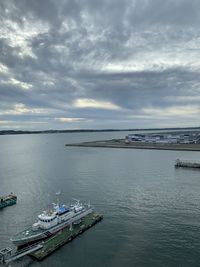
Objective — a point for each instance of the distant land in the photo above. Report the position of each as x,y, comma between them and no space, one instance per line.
11,132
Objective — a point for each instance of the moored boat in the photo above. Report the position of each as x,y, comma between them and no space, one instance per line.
8,200
52,221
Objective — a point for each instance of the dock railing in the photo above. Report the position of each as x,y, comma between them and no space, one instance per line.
8,254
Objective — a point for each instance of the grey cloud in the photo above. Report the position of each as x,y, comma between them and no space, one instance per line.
125,88
176,13
133,54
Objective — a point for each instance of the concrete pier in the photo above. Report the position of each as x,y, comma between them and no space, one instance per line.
8,255
187,163
120,143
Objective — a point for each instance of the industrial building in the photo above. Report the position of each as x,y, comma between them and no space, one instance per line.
167,138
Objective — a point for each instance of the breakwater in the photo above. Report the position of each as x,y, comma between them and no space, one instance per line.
187,163
120,143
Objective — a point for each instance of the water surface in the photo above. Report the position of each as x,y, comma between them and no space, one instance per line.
151,210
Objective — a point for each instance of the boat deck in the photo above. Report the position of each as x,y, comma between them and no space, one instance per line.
26,233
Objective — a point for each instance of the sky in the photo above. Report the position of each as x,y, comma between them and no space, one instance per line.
92,64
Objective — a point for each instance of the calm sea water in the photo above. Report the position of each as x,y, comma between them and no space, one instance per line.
151,210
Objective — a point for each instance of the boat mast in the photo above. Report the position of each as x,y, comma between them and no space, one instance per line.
58,198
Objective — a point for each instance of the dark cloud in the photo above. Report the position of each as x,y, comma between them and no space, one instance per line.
99,64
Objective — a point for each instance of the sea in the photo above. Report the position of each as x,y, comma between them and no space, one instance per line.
151,209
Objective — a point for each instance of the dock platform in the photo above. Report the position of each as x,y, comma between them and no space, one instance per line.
187,163
8,255
66,235
44,248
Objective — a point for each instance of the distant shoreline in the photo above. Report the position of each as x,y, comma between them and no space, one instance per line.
119,143
15,132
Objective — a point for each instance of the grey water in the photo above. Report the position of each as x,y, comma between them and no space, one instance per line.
151,209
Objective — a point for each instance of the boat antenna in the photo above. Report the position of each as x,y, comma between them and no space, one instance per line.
77,201
58,198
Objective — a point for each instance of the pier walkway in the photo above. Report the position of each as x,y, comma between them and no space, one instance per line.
7,254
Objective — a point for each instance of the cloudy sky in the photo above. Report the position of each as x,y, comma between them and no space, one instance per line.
99,64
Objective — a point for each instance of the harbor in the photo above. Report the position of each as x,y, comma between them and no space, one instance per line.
44,248
121,143
149,207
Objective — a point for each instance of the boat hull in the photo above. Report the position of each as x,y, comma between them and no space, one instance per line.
8,201
31,239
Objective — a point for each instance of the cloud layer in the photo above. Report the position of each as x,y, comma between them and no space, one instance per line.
99,64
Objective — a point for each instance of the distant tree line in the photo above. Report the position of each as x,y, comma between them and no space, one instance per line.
9,132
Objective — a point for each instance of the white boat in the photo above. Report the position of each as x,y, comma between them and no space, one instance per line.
51,221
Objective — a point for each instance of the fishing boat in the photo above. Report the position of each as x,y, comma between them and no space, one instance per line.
8,200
